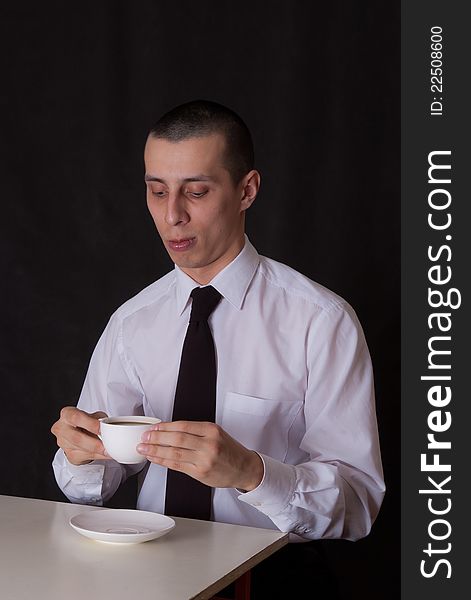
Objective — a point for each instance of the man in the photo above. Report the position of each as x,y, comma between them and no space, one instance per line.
294,441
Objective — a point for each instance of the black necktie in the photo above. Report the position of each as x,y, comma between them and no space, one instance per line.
195,400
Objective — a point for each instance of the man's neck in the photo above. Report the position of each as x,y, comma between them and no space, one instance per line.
206,274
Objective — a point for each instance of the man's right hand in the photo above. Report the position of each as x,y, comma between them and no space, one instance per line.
77,434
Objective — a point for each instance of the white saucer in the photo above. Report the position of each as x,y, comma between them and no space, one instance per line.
122,526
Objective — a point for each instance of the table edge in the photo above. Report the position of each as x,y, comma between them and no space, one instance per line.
230,577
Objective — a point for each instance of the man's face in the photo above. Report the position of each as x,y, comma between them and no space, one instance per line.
197,209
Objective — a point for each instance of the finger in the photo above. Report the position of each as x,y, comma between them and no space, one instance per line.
98,456
176,439
77,457
175,465
200,428
177,455
85,442
78,418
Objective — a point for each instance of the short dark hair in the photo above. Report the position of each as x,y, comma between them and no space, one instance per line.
199,118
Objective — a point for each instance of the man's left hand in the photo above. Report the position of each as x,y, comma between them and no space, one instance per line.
203,451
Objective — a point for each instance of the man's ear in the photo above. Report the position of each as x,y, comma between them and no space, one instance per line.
250,187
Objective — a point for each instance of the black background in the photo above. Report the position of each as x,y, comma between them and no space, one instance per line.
82,82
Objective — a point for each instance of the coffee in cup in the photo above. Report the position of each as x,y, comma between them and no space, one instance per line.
121,435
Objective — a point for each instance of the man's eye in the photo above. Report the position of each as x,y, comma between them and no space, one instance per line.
159,193
196,194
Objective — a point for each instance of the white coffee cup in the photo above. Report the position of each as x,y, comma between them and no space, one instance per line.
121,435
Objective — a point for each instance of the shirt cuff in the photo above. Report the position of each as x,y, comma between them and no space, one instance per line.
91,473
275,491
82,484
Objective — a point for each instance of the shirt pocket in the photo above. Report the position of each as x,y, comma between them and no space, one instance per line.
259,423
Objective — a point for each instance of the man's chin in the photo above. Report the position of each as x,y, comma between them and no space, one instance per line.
184,262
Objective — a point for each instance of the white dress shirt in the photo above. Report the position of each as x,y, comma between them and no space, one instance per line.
294,383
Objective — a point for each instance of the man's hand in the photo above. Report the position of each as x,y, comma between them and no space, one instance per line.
77,434
203,451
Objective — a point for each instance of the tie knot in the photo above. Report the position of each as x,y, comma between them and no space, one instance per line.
205,300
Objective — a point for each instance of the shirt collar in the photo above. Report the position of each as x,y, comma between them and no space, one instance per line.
232,282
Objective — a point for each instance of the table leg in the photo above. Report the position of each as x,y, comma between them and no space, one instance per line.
242,587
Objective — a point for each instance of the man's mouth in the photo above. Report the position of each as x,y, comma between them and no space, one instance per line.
181,244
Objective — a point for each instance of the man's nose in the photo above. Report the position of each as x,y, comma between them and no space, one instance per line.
176,213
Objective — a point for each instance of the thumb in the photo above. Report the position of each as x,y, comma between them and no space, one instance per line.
99,415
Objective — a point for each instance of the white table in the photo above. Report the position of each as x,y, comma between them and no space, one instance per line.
43,558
